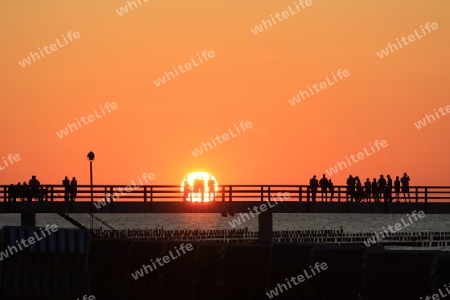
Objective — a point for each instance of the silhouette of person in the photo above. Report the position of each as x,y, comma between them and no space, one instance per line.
66,185
313,185
11,193
367,189
211,188
375,191
197,186
26,192
397,188
359,190
350,188
405,186
19,191
73,189
388,191
202,188
43,194
34,187
331,189
186,189
323,187
382,187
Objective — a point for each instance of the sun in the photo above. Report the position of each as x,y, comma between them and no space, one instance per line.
199,187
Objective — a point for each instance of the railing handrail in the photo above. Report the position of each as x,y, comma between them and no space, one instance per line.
224,192
219,185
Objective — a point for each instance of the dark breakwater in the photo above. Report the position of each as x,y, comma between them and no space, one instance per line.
338,237
72,263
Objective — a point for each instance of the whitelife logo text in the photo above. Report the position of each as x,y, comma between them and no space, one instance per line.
161,261
224,136
86,120
27,61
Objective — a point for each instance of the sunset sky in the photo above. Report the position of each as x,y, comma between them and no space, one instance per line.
250,78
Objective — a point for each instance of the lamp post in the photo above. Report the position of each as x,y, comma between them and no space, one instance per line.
91,157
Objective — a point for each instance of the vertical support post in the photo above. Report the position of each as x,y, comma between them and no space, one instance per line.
28,219
417,194
265,226
339,194
230,193
145,194
92,188
223,193
300,194
151,194
51,194
111,194
308,194
262,193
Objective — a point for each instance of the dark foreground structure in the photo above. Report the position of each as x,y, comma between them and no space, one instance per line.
69,264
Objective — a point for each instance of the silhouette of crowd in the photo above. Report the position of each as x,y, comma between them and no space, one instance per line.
70,189
197,189
377,190
326,185
34,191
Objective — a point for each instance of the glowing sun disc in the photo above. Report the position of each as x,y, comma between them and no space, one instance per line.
200,188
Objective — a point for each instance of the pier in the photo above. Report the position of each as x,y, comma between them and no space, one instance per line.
228,201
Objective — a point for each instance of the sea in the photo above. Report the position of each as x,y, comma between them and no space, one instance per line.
292,221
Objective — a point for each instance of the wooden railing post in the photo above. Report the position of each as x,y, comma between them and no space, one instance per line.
417,195
51,194
145,194
339,194
151,193
300,194
268,193
223,194
230,193
307,194
426,195
111,194
262,193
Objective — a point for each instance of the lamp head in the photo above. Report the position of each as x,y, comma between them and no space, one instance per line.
91,155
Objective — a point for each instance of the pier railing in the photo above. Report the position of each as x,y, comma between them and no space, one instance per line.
153,193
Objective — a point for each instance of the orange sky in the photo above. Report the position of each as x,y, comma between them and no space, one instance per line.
250,78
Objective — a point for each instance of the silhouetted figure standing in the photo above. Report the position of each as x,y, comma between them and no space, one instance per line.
11,193
405,186
367,189
382,187
211,188
19,191
186,189
397,188
388,191
313,185
350,188
34,187
323,187
375,191
197,187
202,188
66,185
24,191
331,188
359,190
73,189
